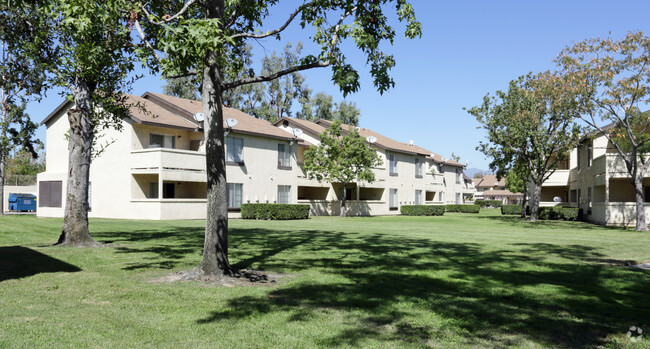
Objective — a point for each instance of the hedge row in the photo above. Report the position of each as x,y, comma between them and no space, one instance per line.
274,211
545,213
511,209
488,203
559,213
464,208
422,210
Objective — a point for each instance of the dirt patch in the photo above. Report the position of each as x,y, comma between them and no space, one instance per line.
242,278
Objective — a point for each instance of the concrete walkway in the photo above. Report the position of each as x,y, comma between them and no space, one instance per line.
641,266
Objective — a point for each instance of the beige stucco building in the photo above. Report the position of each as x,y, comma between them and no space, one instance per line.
489,187
596,180
154,168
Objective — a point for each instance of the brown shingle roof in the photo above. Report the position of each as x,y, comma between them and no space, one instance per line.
246,123
393,145
503,192
489,181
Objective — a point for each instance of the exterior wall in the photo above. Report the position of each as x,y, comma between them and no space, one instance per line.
122,176
612,193
12,189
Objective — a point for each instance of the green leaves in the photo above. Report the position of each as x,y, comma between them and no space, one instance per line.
341,158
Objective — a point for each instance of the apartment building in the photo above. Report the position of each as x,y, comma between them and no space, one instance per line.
154,168
595,179
489,188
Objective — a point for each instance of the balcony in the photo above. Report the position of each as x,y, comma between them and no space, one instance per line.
169,164
558,178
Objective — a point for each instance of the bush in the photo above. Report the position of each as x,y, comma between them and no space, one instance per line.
511,209
464,208
274,211
488,203
422,210
555,213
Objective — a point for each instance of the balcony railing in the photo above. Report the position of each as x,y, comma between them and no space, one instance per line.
167,159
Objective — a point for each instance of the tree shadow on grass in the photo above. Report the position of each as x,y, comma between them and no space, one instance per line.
18,262
548,224
550,294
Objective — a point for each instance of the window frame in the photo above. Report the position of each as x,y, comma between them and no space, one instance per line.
235,187
393,202
231,148
392,165
418,168
280,194
284,157
162,146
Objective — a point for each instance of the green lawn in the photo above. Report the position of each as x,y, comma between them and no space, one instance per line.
453,281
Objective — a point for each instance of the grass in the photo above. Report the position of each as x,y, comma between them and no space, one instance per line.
452,281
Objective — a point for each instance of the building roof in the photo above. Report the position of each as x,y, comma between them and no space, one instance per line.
382,141
494,193
489,181
167,111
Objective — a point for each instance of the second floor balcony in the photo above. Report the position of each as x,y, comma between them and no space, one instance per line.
171,164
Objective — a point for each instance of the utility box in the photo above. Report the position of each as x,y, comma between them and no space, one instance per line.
22,202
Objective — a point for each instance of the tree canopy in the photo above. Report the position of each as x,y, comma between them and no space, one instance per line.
341,157
610,79
531,123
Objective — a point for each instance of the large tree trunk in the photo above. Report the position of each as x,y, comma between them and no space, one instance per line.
215,249
523,200
343,206
535,191
2,182
75,220
641,224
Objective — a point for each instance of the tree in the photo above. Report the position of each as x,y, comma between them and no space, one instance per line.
84,47
611,80
323,107
183,87
17,78
341,159
532,123
206,38
24,163
517,182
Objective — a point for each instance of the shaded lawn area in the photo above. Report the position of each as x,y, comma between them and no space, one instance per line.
453,281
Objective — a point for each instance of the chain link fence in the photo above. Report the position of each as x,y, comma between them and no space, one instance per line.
20,180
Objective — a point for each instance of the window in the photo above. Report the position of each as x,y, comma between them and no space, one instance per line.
418,168
284,194
393,165
578,157
392,199
161,141
458,199
234,195
153,190
418,197
590,153
49,193
234,150
457,176
284,157
589,200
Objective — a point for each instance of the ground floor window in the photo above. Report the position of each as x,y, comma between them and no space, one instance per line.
459,200
418,197
284,194
169,190
234,195
392,199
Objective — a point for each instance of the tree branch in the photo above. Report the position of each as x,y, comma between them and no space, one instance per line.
263,78
167,19
272,32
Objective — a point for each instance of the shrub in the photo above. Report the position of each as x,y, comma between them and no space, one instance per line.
556,213
488,203
274,211
511,209
570,213
464,208
422,210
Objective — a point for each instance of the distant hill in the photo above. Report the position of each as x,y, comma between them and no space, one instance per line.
470,172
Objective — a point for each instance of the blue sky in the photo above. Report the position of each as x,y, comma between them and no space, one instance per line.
467,49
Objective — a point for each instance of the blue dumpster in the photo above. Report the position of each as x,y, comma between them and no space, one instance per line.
22,202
